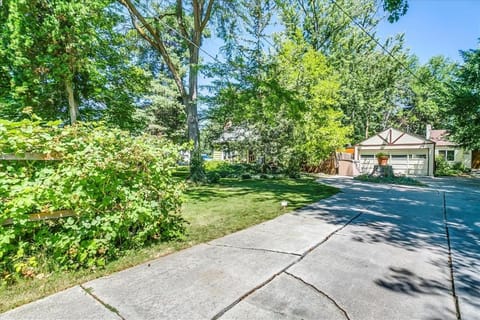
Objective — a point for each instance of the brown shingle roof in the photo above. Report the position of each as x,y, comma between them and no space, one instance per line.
440,137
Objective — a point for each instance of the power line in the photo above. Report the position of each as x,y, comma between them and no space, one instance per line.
406,68
181,35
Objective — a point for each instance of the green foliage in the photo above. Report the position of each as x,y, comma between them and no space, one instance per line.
372,86
164,116
444,168
213,177
289,107
47,46
120,188
427,98
224,169
401,180
197,170
464,111
246,176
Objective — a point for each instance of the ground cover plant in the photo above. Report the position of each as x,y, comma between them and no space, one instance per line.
249,202
401,180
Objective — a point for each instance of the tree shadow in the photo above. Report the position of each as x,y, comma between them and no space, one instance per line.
405,281
414,221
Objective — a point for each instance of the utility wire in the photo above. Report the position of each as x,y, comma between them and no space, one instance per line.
406,68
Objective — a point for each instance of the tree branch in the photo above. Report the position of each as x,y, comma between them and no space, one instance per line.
181,23
207,15
155,40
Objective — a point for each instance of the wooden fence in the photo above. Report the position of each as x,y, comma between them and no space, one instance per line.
30,156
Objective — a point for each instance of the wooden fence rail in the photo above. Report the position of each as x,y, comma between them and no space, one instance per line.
28,156
41,215
45,216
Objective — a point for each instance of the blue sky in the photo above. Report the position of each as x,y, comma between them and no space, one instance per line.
431,27
434,27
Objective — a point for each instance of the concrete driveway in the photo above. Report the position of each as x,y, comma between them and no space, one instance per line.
370,252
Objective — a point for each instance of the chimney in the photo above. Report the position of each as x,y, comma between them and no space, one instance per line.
429,131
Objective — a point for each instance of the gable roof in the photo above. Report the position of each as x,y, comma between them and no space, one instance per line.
440,137
391,137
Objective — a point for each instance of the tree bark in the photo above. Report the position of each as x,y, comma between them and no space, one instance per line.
201,12
72,104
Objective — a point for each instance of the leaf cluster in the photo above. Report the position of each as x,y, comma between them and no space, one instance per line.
119,187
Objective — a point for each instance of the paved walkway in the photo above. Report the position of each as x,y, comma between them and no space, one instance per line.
370,252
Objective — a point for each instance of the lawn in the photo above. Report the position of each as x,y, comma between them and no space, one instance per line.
211,210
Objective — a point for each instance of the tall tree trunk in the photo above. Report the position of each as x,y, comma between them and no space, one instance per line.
367,124
201,11
191,105
72,104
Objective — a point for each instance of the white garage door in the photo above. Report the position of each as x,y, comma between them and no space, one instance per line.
404,163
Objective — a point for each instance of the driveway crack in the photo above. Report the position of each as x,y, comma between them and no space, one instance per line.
300,258
320,292
256,249
89,291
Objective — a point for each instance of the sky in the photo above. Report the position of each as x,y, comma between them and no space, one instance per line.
438,27
431,27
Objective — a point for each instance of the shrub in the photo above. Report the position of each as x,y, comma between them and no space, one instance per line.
120,188
401,180
213,177
246,176
443,168
230,170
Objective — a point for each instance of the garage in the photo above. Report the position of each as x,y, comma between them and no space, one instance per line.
409,154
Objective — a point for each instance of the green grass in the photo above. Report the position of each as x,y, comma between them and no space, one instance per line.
212,211
390,180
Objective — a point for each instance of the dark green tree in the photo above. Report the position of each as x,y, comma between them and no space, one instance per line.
64,59
465,104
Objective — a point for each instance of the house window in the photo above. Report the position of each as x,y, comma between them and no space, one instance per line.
418,156
399,156
367,156
448,155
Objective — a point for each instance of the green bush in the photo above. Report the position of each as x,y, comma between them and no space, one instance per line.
401,180
443,168
120,188
230,170
213,177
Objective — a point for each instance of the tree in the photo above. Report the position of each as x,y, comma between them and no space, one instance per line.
427,98
188,31
373,82
63,58
290,107
465,104
164,115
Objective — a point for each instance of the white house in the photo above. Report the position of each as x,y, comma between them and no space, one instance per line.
409,154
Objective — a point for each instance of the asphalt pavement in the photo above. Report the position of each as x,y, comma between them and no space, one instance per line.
370,252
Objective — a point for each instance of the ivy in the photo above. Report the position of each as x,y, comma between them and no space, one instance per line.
120,188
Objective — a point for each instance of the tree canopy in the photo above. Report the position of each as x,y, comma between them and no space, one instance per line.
322,81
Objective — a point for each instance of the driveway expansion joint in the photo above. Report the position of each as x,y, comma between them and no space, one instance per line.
450,261
112,309
320,292
255,249
284,270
